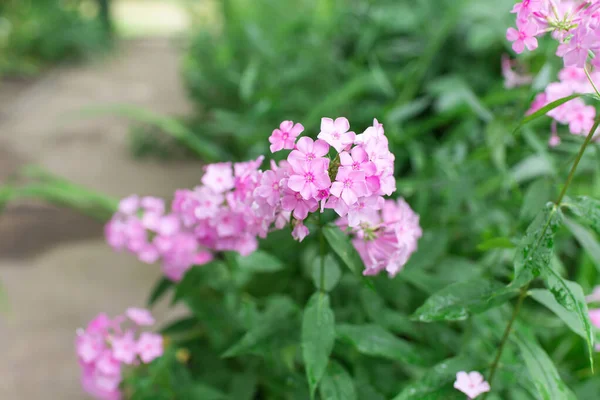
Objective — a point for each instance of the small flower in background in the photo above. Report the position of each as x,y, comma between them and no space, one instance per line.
594,297
472,384
513,79
106,345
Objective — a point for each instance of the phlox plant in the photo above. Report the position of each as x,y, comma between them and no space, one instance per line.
329,191
458,266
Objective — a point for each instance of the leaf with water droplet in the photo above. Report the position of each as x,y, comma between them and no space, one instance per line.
460,300
534,258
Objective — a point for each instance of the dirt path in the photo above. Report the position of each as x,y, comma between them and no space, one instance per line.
54,265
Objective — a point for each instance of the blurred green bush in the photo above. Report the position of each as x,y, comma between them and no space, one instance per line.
34,33
269,60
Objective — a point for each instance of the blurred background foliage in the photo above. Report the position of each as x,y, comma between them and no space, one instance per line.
430,71
35,33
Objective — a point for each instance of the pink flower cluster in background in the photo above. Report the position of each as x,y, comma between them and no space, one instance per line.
575,113
107,345
238,203
576,26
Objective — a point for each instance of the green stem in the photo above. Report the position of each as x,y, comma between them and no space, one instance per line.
506,334
323,254
560,198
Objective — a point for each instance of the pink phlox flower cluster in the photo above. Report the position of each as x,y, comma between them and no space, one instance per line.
237,204
107,345
512,78
472,384
575,113
386,235
142,227
575,24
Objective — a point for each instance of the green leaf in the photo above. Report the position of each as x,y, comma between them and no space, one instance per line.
460,300
544,110
161,287
337,384
496,243
259,261
204,392
534,258
179,326
586,239
332,275
586,208
541,368
318,336
437,382
373,340
341,245
277,315
534,253
535,198
545,298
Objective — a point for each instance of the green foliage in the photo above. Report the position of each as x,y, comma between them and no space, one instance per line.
36,33
318,336
540,366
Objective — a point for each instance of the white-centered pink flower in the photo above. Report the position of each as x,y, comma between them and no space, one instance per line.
310,177
524,36
472,384
285,136
349,186
336,133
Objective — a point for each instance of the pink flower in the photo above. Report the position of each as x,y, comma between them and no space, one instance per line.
472,384
526,8
149,346
218,177
524,36
581,117
307,151
129,205
89,347
539,101
595,317
270,188
309,178
300,231
124,348
293,201
336,133
358,160
285,136
386,238
575,51
153,204
511,78
140,316
349,186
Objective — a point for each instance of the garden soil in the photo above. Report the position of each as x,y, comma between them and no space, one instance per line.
55,269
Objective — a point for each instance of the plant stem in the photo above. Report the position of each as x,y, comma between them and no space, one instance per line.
586,142
323,253
506,334
591,81
523,295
